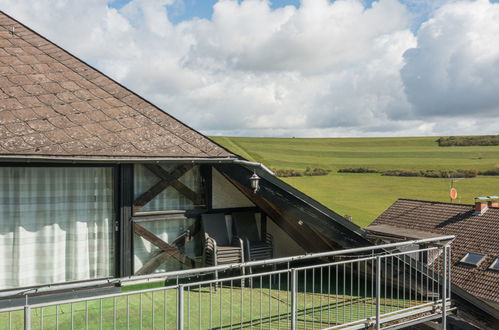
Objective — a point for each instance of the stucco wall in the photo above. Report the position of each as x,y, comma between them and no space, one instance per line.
225,195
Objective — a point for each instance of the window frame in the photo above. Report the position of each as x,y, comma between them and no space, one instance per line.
463,261
494,266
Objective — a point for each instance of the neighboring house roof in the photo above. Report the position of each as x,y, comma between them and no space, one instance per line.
53,104
474,234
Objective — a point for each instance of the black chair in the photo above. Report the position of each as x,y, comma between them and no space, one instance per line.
218,248
256,247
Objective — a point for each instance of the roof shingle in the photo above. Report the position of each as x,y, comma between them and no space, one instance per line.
54,105
475,234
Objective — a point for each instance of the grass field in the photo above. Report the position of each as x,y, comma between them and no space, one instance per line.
206,308
365,196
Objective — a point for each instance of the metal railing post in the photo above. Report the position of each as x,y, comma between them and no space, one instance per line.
294,289
444,289
27,317
378,292
180,307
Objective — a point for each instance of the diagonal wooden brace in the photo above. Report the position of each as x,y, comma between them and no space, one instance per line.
167,250
166,180
179,186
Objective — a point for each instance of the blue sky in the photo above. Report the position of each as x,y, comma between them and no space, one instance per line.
188,9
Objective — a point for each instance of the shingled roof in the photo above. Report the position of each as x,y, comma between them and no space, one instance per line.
54,105
474,234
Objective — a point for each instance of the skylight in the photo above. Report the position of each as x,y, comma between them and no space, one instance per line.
495,264
473,259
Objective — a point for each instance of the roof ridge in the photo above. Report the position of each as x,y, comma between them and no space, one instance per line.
433,202
147,115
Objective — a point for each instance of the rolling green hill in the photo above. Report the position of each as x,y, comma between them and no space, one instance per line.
365,196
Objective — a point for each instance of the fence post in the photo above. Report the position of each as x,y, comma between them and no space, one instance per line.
378,292
294,289
180,307
27,317
444,288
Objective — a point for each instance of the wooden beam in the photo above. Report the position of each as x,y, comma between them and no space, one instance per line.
168,250
155,190
179,186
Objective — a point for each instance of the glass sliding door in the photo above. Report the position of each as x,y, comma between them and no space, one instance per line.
56,225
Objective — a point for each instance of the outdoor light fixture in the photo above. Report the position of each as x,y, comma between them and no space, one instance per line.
255,182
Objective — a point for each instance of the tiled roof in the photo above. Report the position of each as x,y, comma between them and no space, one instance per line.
478,234
53,104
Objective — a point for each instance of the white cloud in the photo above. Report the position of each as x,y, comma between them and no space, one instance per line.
323,69
454,71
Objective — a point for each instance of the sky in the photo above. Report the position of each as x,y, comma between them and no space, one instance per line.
301,68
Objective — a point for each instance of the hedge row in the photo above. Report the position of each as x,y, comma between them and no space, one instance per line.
483,140
471,173
286,173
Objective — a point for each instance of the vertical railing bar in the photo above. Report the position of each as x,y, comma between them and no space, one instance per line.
351,291
365,289
444,289
329,296
251,304
294,288
270,301
86,315
199,306
127,311
152,312
279,301
220,304
180,307
305,299
72,321
231,305
140,310
391,285
385,261
320,299
288,318
241,302
41,318
114,313
398,282
10,319
56,317
100,314
211,307
261,293
336,294
378,291
358,289
313,294
344,292
449,252
165,310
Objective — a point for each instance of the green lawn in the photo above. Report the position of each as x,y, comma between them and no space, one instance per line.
365,196
207,308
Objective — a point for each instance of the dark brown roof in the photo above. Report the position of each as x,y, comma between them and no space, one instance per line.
476,234
53,104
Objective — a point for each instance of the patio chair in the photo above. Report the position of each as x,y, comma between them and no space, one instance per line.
256,248
218,248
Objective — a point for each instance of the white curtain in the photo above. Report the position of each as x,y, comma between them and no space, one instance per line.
56,225
170,198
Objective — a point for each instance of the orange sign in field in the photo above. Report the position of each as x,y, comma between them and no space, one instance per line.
453,193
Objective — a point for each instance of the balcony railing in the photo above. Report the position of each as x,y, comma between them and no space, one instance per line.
380,286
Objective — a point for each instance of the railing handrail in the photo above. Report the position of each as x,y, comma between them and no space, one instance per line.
203,270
